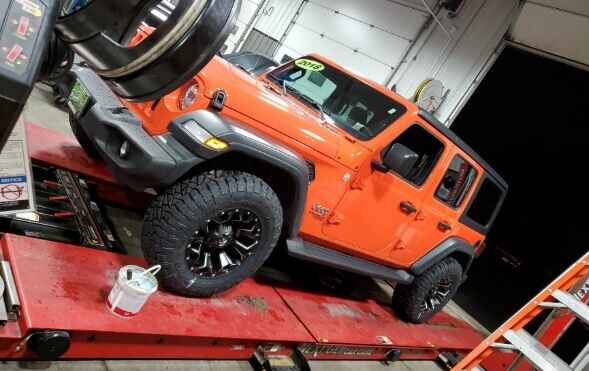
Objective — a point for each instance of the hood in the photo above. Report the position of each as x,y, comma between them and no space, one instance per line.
258,100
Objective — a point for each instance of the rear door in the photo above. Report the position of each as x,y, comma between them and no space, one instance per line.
444,202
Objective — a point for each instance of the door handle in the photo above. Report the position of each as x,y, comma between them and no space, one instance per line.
408,208
444,226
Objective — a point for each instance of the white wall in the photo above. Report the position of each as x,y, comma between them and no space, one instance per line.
249,9
277,17
460,61
370,36
559,27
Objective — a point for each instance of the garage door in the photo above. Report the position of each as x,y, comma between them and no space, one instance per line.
249,10
559,27
370,37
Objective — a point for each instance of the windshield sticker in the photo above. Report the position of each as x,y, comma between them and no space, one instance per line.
309,65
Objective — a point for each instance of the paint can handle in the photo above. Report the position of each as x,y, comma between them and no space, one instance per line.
153,270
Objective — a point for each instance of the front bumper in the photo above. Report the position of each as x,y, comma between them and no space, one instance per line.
150,162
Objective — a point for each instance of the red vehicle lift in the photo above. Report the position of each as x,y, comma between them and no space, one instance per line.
62,289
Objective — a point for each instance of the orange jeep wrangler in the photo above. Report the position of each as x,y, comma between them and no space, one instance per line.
335,168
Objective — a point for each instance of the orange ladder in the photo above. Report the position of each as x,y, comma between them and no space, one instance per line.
567,297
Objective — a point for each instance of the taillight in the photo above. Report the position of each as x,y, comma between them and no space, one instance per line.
189,97
479,247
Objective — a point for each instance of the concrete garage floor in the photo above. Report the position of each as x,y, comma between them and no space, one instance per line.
40,110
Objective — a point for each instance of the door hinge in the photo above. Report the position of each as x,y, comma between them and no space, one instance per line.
400,245
357,184
350,139
320,210
335,218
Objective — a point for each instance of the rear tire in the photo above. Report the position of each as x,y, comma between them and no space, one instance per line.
429,292
190,226
83,139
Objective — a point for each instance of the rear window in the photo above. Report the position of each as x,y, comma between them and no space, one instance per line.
456,183
485,203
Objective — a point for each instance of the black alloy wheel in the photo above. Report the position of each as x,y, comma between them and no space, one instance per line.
429,292
224,242
211,231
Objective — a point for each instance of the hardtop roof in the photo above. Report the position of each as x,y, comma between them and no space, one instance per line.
447,132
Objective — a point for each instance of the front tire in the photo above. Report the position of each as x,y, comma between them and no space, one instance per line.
429,292
212,231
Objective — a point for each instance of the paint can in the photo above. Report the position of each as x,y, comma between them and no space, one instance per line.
134,285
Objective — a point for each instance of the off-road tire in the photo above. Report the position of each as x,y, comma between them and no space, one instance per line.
408,299
83,139
173,216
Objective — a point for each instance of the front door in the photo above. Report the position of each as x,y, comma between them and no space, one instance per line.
373,217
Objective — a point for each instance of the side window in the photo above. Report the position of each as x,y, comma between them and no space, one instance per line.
428,149
485,203
456,183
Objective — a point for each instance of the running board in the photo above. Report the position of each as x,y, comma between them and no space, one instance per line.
310,252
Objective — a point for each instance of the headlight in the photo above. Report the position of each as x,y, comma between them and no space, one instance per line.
189,96
204,137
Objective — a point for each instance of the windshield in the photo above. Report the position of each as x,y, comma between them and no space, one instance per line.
348,102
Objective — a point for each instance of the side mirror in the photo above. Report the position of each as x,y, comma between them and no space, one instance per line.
400,159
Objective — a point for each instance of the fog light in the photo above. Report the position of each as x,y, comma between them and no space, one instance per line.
124,150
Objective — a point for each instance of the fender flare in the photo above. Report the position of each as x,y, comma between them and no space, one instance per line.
249,142
451,246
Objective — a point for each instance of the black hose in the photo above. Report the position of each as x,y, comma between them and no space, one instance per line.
59,59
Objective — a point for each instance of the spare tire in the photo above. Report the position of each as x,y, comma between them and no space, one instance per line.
179,47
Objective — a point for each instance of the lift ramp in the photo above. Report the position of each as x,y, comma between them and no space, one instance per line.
63,287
